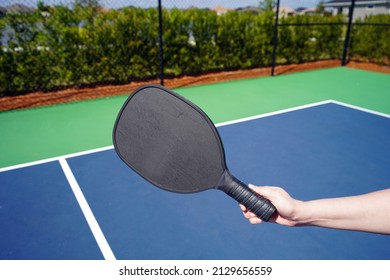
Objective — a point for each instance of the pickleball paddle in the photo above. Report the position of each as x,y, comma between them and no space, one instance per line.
174,145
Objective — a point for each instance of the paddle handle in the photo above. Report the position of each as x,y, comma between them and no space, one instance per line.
256,203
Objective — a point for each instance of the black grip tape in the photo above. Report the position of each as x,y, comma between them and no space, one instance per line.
256,203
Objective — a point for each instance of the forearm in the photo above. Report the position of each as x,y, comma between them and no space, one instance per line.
368,212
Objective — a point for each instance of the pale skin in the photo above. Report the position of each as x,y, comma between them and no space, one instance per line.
367,212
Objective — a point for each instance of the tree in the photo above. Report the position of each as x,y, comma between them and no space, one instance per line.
267,5
86,3
320,9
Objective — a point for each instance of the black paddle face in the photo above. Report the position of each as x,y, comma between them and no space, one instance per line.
174,145
169,141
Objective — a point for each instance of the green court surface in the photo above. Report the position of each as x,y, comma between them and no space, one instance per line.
35,134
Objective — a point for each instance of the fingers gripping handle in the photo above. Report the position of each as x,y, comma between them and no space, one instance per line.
256,203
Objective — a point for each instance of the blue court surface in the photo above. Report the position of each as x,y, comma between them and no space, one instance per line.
91,206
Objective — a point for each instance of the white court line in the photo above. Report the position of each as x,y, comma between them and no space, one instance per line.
37,162
92,222
360,109
275,113
217,125
111,147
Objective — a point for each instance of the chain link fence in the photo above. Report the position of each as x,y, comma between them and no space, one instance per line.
54,44
76,43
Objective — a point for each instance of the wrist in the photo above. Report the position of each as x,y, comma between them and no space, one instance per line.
301,215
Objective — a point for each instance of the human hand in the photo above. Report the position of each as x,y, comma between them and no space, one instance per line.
287,207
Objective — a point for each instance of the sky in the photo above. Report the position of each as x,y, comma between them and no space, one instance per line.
172,3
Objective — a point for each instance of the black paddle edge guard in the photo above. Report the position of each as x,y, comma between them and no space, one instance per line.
173,93
256,203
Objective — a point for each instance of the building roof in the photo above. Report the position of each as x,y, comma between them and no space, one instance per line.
221,10
285,9
300,9
307,11
19,8
336,3
250,9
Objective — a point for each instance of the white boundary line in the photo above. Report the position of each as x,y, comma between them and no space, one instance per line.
27,164
360,108
217,125
275,113
111,147
88,214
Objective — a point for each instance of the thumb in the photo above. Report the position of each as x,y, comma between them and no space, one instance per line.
261,190
267,192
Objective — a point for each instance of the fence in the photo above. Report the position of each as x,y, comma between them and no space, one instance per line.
89,42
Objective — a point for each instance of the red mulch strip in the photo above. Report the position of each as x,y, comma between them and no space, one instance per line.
38,99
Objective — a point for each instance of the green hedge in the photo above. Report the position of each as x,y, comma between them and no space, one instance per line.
83,46
56,47
372,42
299,41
